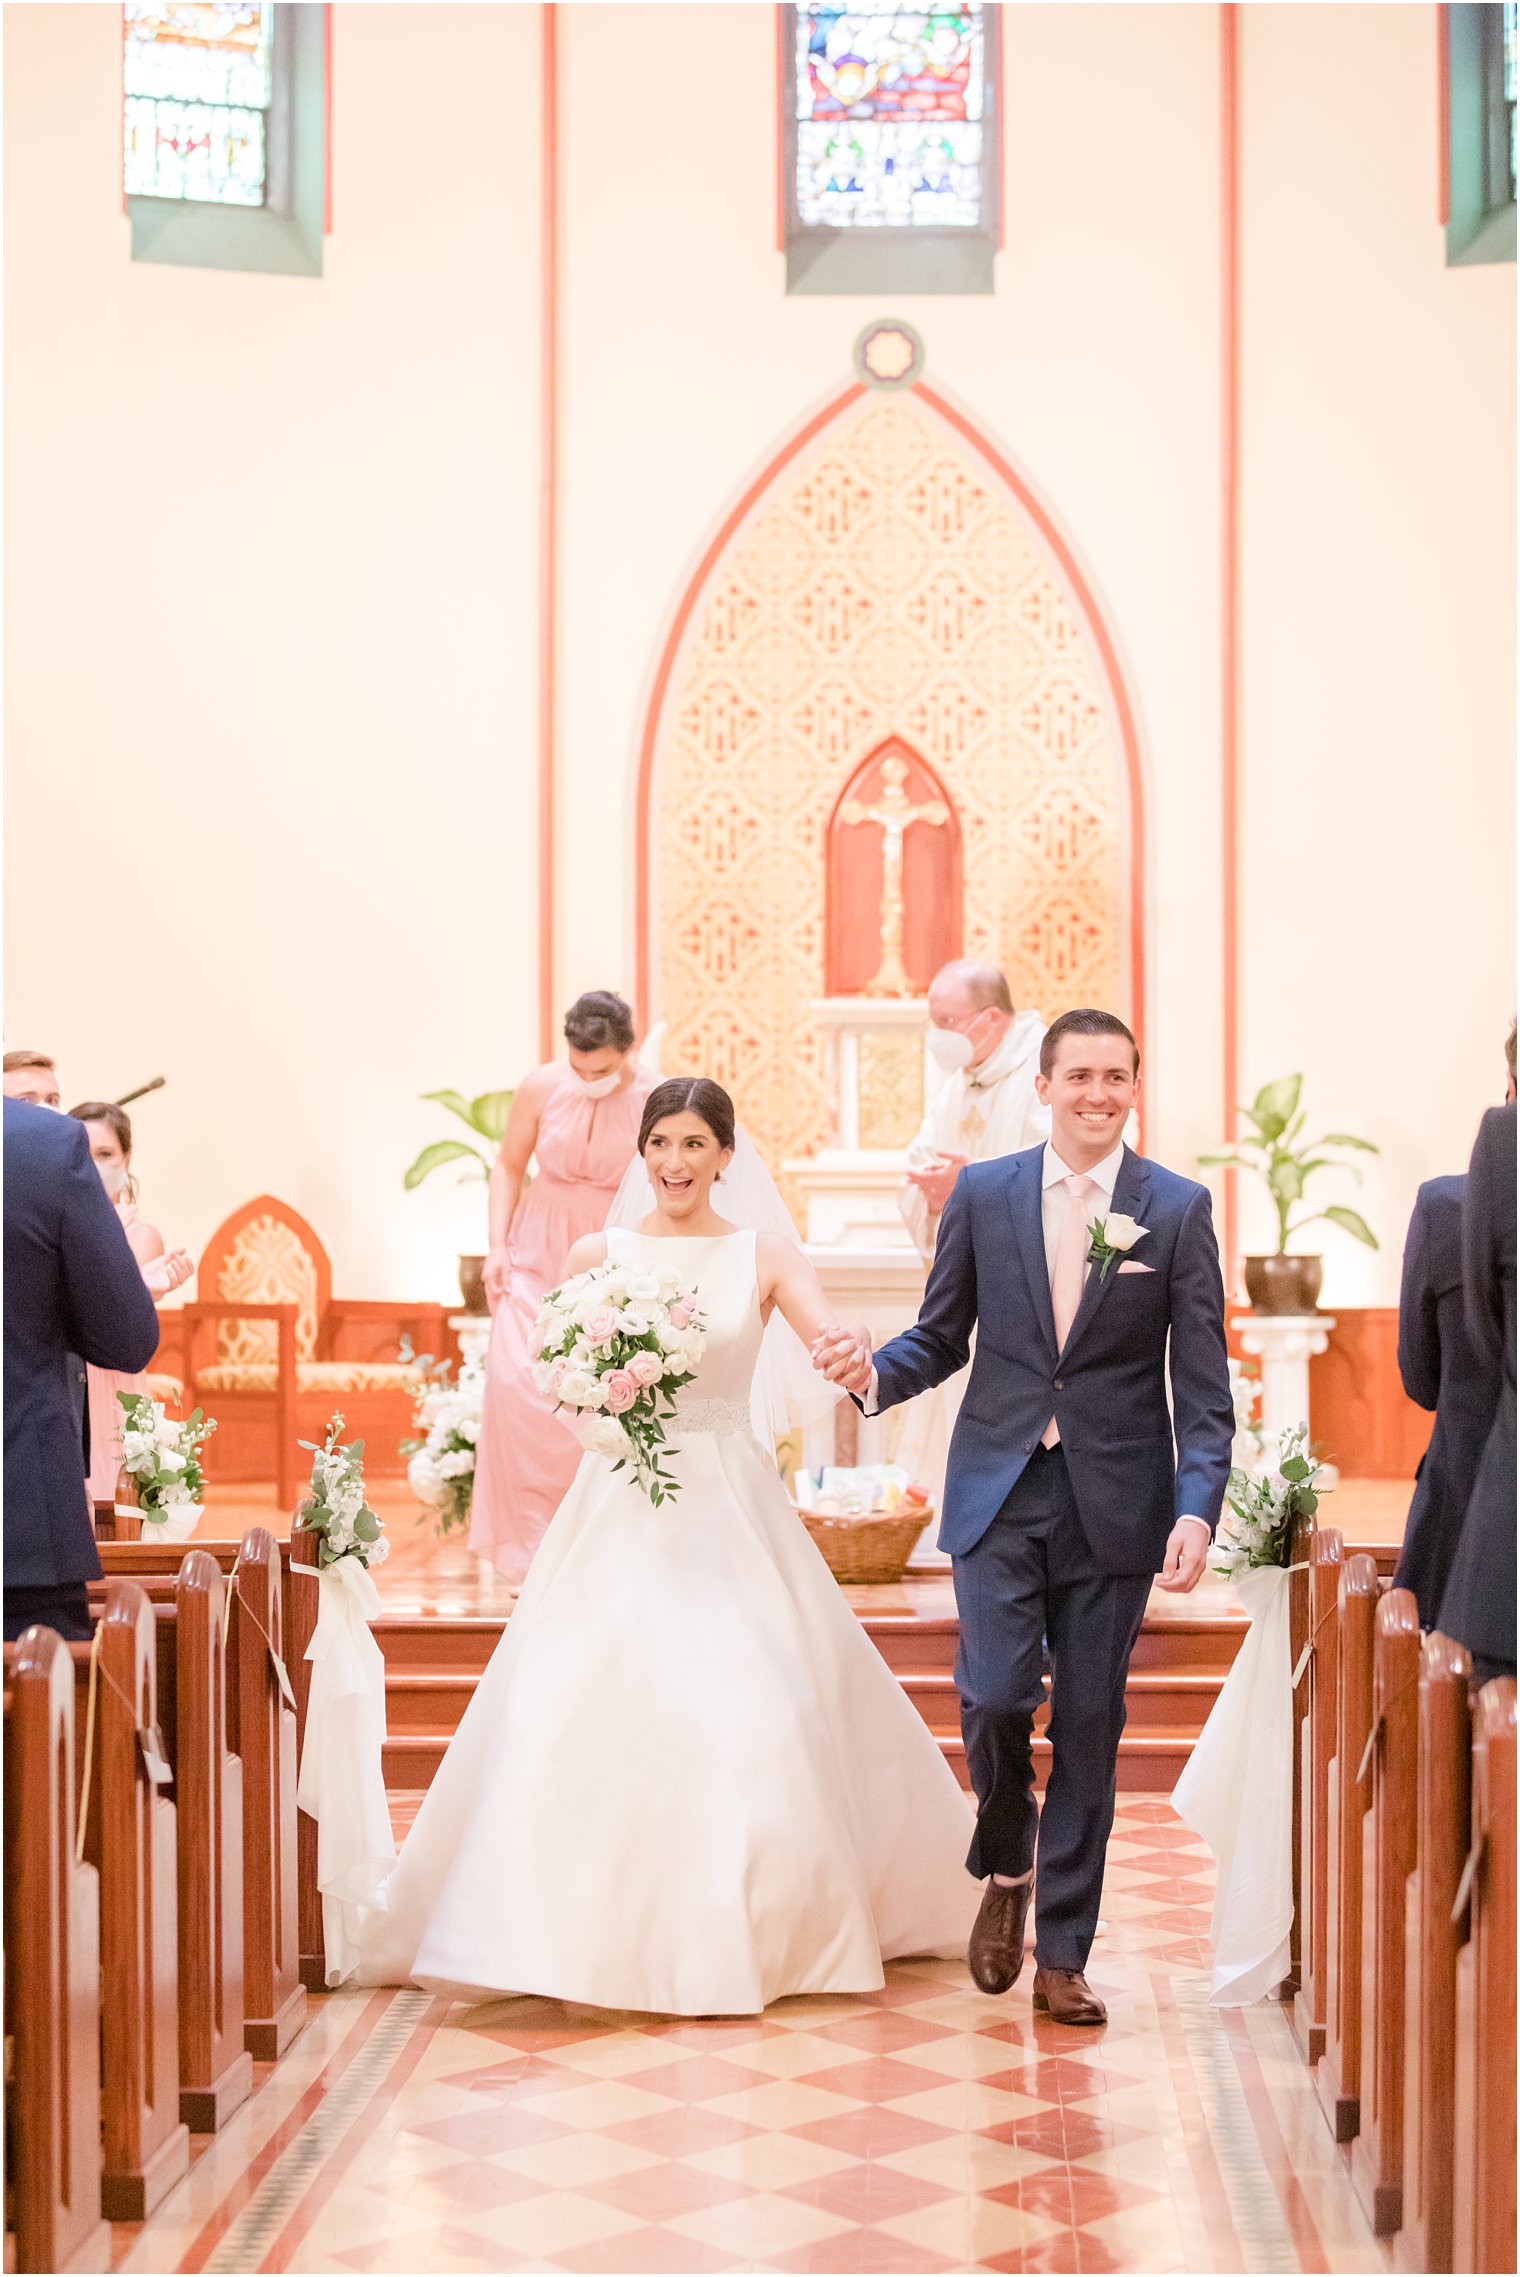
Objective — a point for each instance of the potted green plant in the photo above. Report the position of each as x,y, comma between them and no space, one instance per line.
486,1115
1277,1151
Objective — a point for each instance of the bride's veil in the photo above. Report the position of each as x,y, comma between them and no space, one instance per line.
788,1391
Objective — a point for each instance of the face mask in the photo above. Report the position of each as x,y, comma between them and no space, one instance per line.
597,1088
949,1049
113,1176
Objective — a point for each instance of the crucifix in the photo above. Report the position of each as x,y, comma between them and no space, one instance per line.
894,815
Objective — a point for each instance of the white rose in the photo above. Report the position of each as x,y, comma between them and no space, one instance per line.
603,1435
456,1466
169,1461
577,1388
165,1433
644,1288
1120,1232
636,1322
469,1425
379,1551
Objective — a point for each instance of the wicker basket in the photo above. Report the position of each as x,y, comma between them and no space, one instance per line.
874,1546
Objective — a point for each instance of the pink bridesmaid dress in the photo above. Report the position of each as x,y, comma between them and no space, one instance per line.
527,1454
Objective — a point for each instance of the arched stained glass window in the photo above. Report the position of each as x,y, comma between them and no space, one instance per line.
890,147
224,133
198,77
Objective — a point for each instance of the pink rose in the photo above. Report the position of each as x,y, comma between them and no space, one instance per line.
681,1312
601,1326
646,1367
557,1374
619,1391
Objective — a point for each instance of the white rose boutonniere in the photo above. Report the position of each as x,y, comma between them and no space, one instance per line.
1112,1238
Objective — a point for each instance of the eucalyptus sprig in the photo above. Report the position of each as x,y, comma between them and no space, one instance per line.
1285,1160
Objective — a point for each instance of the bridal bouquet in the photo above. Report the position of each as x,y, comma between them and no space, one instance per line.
336,1508
616,1344
162,1457
441,1471
1263,1506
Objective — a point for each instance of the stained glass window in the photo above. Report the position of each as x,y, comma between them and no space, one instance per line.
1511,17
198,76
891,112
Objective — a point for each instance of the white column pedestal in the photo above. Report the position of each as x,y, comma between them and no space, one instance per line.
1284,1343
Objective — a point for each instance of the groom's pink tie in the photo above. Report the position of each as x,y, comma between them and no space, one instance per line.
1068,1272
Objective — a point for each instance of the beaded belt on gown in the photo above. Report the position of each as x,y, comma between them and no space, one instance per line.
721,1416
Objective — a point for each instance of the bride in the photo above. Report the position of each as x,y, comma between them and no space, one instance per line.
688,1783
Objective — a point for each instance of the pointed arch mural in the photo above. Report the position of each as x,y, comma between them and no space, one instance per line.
888,574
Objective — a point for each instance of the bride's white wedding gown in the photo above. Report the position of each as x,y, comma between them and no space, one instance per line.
687,1783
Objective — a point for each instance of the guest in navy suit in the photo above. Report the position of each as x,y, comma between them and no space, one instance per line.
1445,1370
1070,1482
1478,1608
71,1284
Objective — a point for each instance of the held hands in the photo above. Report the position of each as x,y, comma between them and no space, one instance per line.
497,1275
1187,1547
844,1356
935,1182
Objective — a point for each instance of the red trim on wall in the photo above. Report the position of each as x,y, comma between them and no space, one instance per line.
1081,593
327,118
1443,113
1229,589
548,529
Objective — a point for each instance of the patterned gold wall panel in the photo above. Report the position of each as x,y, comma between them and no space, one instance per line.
889,584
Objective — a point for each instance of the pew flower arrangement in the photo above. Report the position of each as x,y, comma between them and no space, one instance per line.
1262,1507
162,1457
441,1471
336,1508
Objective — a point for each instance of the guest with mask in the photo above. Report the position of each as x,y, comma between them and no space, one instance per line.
985,1106
579,1125
109,1129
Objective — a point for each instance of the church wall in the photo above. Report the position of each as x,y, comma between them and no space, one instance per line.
271,642
279,519
1379,612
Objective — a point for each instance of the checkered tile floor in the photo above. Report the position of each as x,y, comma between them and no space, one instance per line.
923,2128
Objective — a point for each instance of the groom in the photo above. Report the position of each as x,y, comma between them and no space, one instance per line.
1090,1277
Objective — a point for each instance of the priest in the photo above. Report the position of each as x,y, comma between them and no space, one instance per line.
986,1106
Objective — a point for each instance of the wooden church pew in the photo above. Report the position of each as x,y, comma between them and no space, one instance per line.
130,1833
1338,2078
1299,1629
1432,1940
263,1733
1483,2229
52,1976
1388,1856
1317,1738
215,2068
154,1565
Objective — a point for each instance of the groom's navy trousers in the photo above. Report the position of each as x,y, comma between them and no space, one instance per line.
1032,1578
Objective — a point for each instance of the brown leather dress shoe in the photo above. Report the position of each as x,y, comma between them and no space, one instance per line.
1066,1997
996,1952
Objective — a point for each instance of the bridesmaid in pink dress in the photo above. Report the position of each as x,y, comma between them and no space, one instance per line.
580,1124
110,1130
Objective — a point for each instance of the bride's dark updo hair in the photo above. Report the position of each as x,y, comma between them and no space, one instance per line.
690,1095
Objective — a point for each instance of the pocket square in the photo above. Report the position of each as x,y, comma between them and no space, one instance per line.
1133,1265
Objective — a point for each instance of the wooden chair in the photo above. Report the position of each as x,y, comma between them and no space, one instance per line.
1338,2078
52,1974
263,1733
1434,1930
270,1351
131,1835
1388,1856
1317,1738
1484,2171
215,2069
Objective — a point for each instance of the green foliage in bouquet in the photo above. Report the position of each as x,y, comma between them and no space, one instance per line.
1262,1507
1279,1154
486,1115
336,1508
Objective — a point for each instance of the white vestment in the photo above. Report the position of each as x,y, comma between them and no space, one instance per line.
980,1112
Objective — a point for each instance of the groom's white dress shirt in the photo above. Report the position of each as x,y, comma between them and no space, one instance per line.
1053,1208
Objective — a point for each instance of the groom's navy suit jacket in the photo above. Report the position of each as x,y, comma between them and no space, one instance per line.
1107,1389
